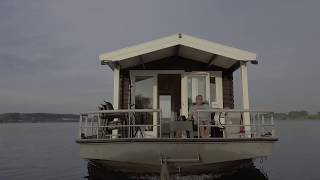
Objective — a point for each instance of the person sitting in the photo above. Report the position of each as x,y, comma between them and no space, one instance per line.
204,117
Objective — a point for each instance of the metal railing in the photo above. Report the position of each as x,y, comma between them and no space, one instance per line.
238,123
123,123
148,123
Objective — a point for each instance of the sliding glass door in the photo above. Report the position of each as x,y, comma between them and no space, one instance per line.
144,96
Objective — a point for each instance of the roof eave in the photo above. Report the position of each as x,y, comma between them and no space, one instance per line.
176,39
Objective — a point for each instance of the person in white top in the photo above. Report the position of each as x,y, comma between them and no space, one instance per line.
204,117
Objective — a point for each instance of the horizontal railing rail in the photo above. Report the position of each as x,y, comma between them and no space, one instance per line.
148,123
123,111
251,123
235,110
106,124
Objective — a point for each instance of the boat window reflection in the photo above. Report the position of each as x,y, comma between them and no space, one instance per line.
144,99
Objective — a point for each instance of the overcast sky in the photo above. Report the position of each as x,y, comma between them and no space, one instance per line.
49,49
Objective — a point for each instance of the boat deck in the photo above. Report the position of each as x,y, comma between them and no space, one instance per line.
226,126
124,144
179,140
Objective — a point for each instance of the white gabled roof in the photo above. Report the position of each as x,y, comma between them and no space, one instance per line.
191,47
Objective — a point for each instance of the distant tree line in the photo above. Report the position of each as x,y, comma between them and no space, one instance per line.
50,117
297,115
37,117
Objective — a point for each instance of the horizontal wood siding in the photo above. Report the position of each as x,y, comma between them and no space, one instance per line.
227,85
124,90
170,84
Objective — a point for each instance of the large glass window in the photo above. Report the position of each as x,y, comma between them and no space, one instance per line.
213,91
143,92
196,86
208,85
165,105
144,100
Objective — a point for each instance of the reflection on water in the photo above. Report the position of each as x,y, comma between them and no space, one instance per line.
47,151
250,173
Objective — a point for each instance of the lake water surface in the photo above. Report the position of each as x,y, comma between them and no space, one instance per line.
48,151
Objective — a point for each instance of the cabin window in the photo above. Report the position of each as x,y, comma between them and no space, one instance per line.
213,91
144,99
165,106
196,86
143,92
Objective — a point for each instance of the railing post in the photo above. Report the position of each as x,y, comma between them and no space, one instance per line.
198,117
259,127
272,125
91,126
80,126
252,125
262,124
86,125
160,129
98,128
129,123
226,129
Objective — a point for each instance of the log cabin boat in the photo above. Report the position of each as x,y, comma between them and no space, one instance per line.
147,125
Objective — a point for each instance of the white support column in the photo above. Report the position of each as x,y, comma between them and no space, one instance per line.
219,89
208,94
245,97
155,106
116,84
116,80
184,95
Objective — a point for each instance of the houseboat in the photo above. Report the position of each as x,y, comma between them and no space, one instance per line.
173,105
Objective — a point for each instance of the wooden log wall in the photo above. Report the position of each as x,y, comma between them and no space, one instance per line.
228,93
124,89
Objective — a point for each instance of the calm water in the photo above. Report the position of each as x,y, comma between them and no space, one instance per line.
48,151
